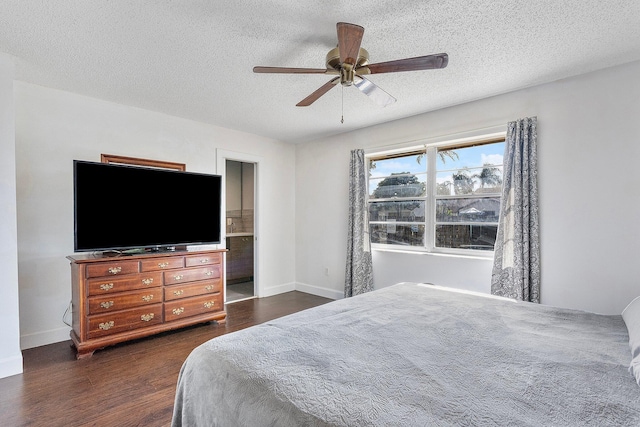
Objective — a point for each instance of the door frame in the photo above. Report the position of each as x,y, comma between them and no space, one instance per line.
221,157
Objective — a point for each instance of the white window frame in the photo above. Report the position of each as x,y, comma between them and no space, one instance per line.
430,149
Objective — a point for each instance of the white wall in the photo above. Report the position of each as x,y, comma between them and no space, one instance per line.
10,356
588,146
55,127
589,151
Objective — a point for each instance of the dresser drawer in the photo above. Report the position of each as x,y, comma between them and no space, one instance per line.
192,274
121,321
192,289
124,300
187,307
115,268
195,260
108,285
162,264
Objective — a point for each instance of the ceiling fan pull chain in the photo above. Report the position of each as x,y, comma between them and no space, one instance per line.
342,96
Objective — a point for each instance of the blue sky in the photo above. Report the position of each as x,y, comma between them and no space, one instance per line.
470,157
474,157
467,157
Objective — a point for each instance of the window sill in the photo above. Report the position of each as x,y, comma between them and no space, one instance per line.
487,257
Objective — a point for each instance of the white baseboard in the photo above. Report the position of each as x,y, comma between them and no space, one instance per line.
11,366
275,290
321,292
44,338
302,287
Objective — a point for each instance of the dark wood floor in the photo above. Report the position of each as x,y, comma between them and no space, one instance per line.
131,384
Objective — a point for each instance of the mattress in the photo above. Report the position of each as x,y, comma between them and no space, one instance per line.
413,354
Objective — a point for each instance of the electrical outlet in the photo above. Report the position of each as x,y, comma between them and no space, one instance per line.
229,221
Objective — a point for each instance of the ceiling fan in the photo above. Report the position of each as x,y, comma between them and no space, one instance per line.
351,62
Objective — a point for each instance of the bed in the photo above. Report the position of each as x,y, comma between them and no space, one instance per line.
415,355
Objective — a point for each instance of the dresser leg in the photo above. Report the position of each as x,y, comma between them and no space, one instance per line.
84,354
81,354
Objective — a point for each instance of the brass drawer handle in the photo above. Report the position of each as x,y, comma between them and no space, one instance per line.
106,304
146,317
147,298
209,273
178,277
147,281
209,287
204,261
178,293
114,270
209,304
178,311
106,286
163,264
106,325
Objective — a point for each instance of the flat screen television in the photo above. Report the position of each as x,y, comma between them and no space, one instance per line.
120,207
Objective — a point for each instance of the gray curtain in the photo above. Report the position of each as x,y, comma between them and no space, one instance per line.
359,273
516,268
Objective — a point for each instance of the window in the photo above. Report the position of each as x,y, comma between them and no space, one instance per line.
443,198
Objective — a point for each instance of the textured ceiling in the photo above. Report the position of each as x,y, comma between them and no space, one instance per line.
194,59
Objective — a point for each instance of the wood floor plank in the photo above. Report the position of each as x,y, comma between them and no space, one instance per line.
129,384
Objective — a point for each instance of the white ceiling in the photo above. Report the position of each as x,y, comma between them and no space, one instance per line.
194,59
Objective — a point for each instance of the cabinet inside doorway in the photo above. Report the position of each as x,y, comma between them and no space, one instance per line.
239,259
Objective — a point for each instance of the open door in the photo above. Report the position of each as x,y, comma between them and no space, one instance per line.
244,225
240,227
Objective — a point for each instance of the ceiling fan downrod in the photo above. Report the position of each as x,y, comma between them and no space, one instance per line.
346,74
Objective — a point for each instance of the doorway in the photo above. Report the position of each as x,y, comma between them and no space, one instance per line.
240,196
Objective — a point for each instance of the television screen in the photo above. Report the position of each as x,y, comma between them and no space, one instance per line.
128,207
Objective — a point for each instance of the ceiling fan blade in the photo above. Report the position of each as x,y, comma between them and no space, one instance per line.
318,93
380,97
428,62
349,39
285,70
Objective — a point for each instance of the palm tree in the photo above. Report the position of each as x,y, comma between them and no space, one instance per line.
443,154
489,175
462,182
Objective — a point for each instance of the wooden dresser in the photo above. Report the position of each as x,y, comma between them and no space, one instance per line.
116,299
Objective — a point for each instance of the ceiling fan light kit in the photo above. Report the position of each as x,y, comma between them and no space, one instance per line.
350,63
